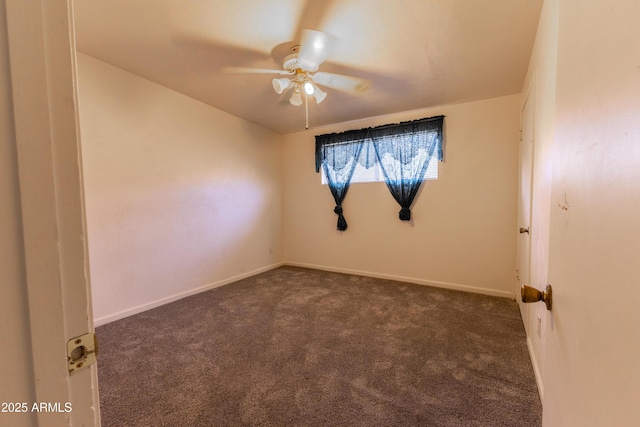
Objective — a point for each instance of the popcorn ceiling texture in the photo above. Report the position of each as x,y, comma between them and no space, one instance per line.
301,347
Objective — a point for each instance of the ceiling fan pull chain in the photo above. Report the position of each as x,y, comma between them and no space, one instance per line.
306,110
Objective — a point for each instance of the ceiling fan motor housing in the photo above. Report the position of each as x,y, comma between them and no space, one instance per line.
290,62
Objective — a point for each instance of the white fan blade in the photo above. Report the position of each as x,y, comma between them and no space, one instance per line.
340,82
248,70
314,49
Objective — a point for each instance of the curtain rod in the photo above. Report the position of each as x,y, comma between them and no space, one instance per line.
390,125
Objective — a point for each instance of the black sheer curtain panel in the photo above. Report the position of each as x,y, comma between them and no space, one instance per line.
338,155
403,152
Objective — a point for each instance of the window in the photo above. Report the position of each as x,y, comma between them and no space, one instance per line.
402,155
374,174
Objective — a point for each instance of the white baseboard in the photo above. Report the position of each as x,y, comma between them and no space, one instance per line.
432,283
157,303
166,300
536,368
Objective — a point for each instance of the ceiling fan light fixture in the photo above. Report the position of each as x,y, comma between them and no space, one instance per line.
296,98
319,95
279,85
308,88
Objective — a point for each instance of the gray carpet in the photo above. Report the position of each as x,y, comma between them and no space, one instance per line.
300,347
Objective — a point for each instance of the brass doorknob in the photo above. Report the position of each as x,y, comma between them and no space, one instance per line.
530,294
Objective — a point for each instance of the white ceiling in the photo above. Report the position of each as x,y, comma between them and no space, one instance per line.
416,53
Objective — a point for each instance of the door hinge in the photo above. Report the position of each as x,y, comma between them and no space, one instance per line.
82,351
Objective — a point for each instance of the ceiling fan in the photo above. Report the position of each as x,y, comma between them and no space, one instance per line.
301,68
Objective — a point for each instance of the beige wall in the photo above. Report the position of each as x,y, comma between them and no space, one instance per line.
16,373
463,229
180,196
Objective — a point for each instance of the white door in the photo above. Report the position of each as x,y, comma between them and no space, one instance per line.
42,57
524,200
592,350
